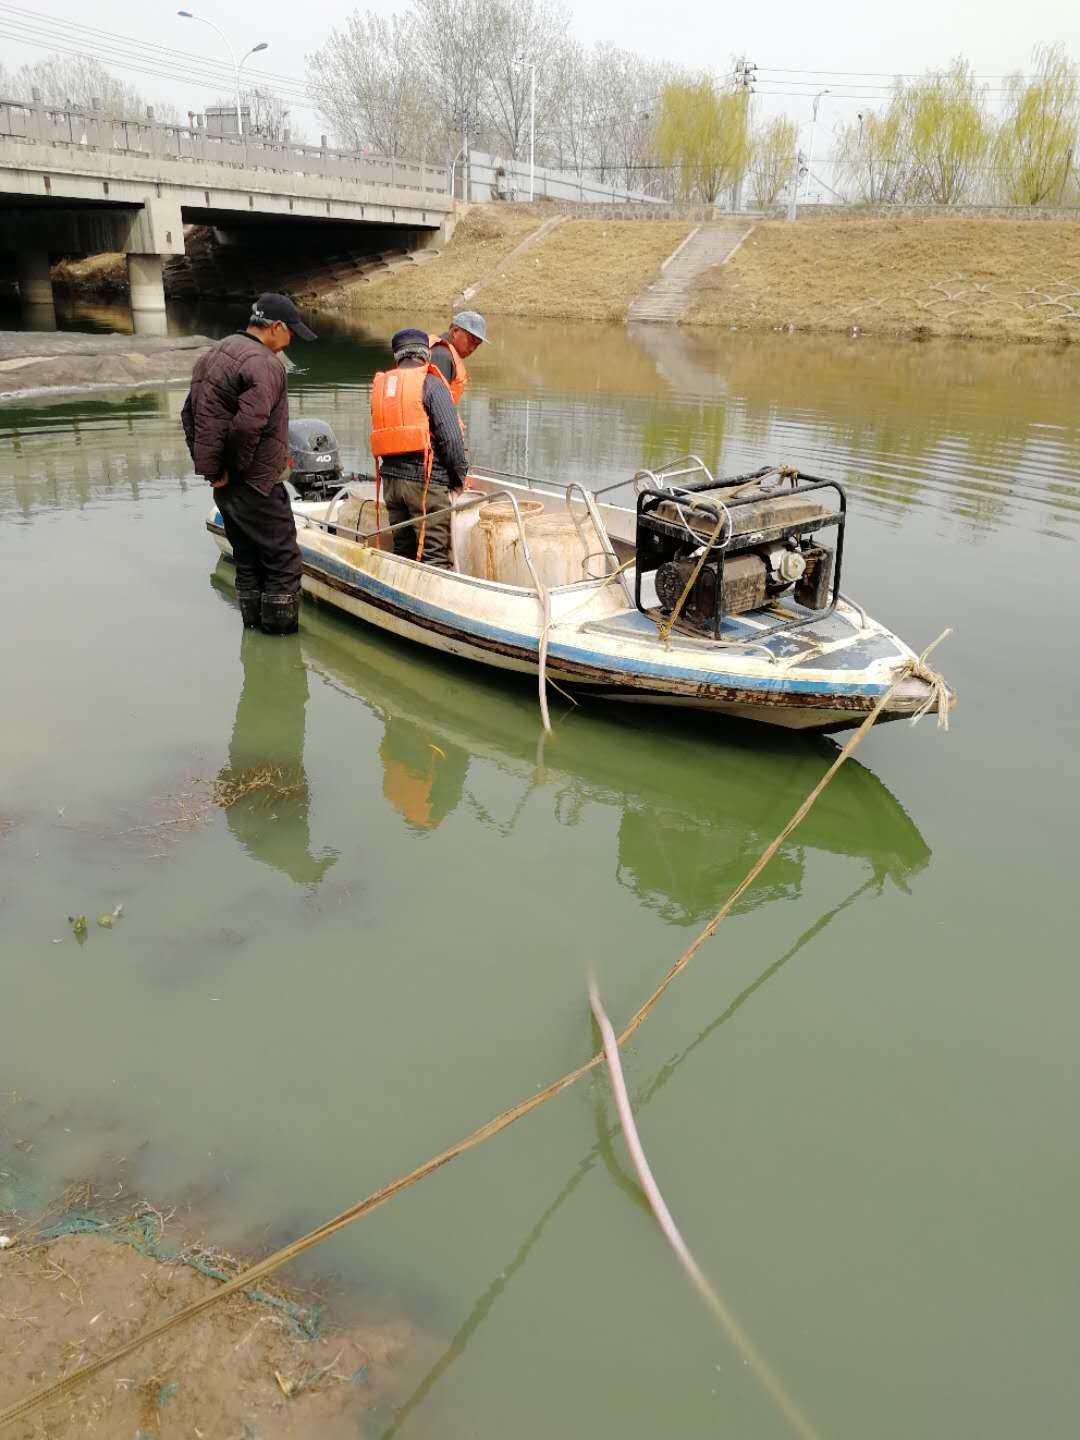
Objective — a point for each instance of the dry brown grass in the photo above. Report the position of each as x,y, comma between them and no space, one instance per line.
1000,279
93,273
483,238
583,270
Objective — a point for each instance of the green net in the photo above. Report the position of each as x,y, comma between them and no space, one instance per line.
143,1233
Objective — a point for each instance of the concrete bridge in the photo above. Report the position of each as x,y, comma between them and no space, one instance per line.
76,182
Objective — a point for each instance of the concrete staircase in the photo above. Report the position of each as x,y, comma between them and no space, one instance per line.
668,297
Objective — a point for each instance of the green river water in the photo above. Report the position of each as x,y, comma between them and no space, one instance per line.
860,1100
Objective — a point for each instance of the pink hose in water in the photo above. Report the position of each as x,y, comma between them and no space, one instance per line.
735,1333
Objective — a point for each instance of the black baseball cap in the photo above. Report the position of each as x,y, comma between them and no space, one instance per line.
280,307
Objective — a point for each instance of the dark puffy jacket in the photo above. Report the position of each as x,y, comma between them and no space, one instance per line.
236,416
450,464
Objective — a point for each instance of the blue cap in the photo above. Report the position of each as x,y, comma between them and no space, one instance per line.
411,343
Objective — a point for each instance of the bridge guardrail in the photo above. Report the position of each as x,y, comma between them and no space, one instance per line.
35,122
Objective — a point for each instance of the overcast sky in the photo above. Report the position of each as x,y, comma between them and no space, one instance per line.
783,38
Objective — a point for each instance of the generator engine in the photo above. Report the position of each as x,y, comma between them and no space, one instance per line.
739,545
314,459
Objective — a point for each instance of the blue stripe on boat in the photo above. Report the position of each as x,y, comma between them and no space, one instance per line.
318,560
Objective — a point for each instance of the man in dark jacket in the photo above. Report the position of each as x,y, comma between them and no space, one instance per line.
403,475
236,423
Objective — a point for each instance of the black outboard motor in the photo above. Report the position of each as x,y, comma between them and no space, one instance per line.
314,459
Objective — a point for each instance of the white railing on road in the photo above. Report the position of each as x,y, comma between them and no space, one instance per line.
34,122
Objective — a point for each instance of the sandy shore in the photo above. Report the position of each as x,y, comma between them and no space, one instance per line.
268,1362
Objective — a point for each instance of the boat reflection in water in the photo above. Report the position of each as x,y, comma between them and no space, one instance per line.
268,735
693,813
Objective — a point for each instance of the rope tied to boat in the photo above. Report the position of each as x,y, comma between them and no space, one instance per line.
665,627
246,1278
941,697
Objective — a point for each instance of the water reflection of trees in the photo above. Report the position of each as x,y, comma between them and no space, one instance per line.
72,453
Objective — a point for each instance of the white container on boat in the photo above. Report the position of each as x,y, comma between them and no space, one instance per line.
494,551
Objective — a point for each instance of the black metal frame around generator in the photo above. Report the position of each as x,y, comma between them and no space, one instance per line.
688,497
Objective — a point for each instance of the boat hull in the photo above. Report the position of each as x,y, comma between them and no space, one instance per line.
594,642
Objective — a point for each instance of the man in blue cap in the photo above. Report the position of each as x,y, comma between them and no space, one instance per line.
419,449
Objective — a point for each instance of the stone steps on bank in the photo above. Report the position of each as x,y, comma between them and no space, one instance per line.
668,298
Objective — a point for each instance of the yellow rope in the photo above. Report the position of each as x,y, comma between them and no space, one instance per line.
262,1268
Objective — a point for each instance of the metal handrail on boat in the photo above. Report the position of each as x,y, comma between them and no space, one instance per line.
601,533
661,479
481,498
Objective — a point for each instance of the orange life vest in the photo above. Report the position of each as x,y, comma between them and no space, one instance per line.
459,377
400,426
399,422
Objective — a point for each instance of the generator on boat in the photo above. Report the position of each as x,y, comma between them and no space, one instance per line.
715,548
314,459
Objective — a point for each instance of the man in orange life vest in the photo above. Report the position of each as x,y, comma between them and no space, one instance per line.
419,449
449,352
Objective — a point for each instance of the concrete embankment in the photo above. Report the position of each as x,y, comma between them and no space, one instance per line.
972,277
36,363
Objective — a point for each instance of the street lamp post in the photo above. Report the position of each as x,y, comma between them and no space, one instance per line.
813,128
522,61
187,15
532,133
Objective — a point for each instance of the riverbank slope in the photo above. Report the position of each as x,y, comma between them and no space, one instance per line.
907,277
1011,279
501,263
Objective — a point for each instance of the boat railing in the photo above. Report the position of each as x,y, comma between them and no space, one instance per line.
663,479
484,497
606,547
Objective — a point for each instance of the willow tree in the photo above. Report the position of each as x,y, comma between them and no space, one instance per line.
772,160
1033,152
874,152
950,133
702,134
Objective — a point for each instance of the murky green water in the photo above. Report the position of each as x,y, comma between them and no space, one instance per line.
861,1099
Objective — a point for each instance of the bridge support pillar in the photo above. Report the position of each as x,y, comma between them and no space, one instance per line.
35,283
147,286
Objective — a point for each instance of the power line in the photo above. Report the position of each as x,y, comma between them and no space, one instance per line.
195,74
45,25
883,74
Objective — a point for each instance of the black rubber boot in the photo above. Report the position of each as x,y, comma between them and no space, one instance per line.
250,608
280,614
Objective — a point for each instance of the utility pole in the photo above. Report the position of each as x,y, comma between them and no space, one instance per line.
813,128
745,72
793,194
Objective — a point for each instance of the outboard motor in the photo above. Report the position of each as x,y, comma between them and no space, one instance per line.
314,459
718,548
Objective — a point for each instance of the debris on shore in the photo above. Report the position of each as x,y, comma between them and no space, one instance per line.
268,1362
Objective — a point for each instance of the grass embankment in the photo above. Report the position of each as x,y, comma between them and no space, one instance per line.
580,270
583,270
483,238
986,279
